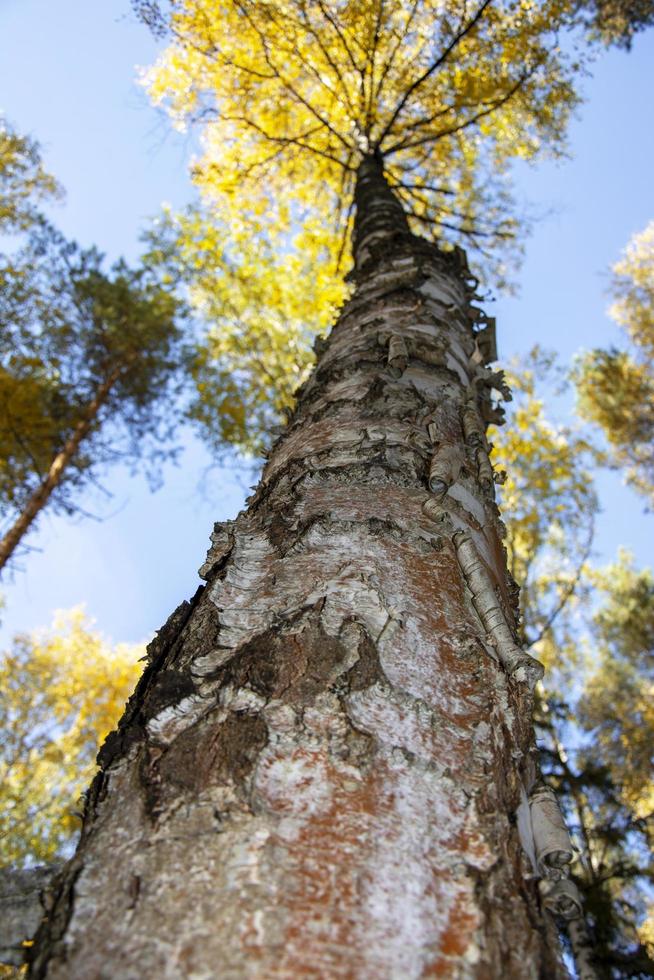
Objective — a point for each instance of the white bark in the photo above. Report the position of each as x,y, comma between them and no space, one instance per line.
21,909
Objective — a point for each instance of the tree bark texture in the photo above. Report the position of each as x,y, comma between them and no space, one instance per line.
20,909
319,773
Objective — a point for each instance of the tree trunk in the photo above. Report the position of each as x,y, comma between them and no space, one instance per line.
319,772
37,500
582,949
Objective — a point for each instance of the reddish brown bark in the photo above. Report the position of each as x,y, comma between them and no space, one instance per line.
319,773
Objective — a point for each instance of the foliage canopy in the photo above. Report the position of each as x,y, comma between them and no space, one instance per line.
550,505
24,183
616,387
255,349
62,691
293,95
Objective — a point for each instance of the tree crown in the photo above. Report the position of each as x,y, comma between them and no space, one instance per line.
71,333
294,95
24,182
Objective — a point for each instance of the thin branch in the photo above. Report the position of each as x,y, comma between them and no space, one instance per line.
570,590
263,163
339,33
209,53
416,185
435,65
427,120
289,88
346,224
288,140
292,47
372,56
462,229
330,61
391,58
441,134
360,71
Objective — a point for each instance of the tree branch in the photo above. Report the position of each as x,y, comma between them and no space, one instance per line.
435,65
569,591
289,88
490,108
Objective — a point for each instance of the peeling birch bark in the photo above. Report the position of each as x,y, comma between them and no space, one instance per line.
496,380
398,354
444,469
517,663
484,471
435,353
473,427
492,414
561,897
222,542
546,842
554,848
318,773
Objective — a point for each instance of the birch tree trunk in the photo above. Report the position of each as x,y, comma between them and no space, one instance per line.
319,772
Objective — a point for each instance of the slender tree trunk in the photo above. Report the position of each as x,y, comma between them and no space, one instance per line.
582,950
588,959
37,501
319,773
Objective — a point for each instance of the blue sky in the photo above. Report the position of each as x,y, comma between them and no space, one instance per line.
67,76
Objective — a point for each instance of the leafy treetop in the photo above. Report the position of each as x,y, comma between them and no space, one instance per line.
292,95
594,630
550,504
618,701
90,359
605,779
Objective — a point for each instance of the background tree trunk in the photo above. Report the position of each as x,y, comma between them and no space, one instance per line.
60,462
319,772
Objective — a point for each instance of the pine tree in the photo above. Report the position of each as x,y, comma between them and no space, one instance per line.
89,362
